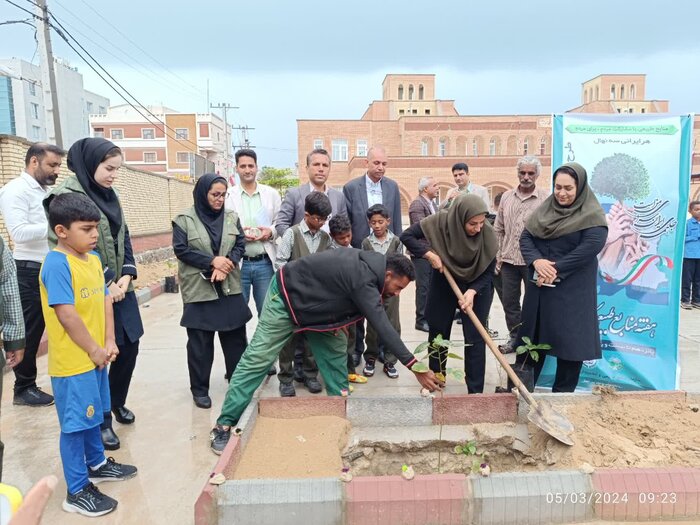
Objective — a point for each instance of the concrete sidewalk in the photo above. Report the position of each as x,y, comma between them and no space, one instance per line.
169,441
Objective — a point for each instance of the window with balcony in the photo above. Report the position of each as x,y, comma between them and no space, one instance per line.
148,133
117,134
339,150
182,134
149,157
361,147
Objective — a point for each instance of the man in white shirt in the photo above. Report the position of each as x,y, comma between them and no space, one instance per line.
21,203
460,173
257,206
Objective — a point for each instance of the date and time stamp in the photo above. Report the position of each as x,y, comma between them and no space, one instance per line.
607,498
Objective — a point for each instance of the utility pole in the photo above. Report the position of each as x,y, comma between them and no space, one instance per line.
48,75
246,142
224,107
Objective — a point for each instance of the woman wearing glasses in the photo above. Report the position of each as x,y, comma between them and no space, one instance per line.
209,242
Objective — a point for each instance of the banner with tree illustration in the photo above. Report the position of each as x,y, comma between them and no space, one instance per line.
639,168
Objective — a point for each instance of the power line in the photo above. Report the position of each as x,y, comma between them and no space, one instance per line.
197,90
61,33
34,16
145,72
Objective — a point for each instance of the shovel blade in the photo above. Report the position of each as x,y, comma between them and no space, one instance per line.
552,422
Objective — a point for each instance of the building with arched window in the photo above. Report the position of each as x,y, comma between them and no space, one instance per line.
424,135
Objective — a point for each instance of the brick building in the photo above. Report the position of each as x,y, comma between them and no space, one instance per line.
189,144
424,135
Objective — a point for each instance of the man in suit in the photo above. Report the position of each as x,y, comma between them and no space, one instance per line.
318,168
460,173
372,188
361,193
419,209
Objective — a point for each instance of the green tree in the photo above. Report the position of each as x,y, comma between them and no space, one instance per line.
622,177
279,178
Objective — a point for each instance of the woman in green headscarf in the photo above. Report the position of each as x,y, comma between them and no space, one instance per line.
463,241
560,245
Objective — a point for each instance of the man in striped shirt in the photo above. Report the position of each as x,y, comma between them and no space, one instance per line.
516,206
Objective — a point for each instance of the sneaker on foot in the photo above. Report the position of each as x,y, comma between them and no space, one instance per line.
368,370
219,437
695,305
356,378
111,471
390,371
33,397
685,306
89,501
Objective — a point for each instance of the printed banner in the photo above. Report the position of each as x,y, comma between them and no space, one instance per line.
639,168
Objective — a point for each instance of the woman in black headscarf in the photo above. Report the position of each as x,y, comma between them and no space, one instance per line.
560,245
463,241
209,242
95,162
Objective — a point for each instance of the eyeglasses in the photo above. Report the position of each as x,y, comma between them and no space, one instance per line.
523,173
217,195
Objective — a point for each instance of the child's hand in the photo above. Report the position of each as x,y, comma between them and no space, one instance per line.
123,283
112,350
99,356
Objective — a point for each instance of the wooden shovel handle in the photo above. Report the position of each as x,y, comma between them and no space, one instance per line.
489,342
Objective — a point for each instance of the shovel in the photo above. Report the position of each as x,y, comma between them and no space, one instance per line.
541,413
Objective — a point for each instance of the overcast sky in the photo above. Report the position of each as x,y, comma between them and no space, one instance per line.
280,60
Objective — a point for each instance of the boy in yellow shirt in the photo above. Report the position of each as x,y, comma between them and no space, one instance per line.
80,328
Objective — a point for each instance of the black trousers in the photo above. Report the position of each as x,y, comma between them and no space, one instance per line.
512,279
296,359
28,282
690,284
440,315
120,373
200,355
565,378
423,272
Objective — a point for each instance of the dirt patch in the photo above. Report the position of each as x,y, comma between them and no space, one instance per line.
152,273
294,448
610,432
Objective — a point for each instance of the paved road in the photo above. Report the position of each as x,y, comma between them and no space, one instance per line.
169,441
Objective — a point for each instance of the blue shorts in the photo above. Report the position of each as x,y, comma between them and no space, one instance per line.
81,399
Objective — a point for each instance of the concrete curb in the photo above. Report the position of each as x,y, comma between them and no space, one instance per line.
143,295
522,498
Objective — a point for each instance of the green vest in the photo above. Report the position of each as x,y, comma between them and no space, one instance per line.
394,245
196,289
300,249
105,242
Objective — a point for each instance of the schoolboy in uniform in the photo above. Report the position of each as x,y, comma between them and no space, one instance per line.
80,328
381,240
296,360
341,237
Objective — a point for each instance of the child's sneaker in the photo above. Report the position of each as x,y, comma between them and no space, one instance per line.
391,371
356,378
89,502
111,471
368,370
686,306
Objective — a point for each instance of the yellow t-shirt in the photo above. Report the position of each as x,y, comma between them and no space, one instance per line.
66,279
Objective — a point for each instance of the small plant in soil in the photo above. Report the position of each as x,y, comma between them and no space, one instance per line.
470,450
532,349
433,349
